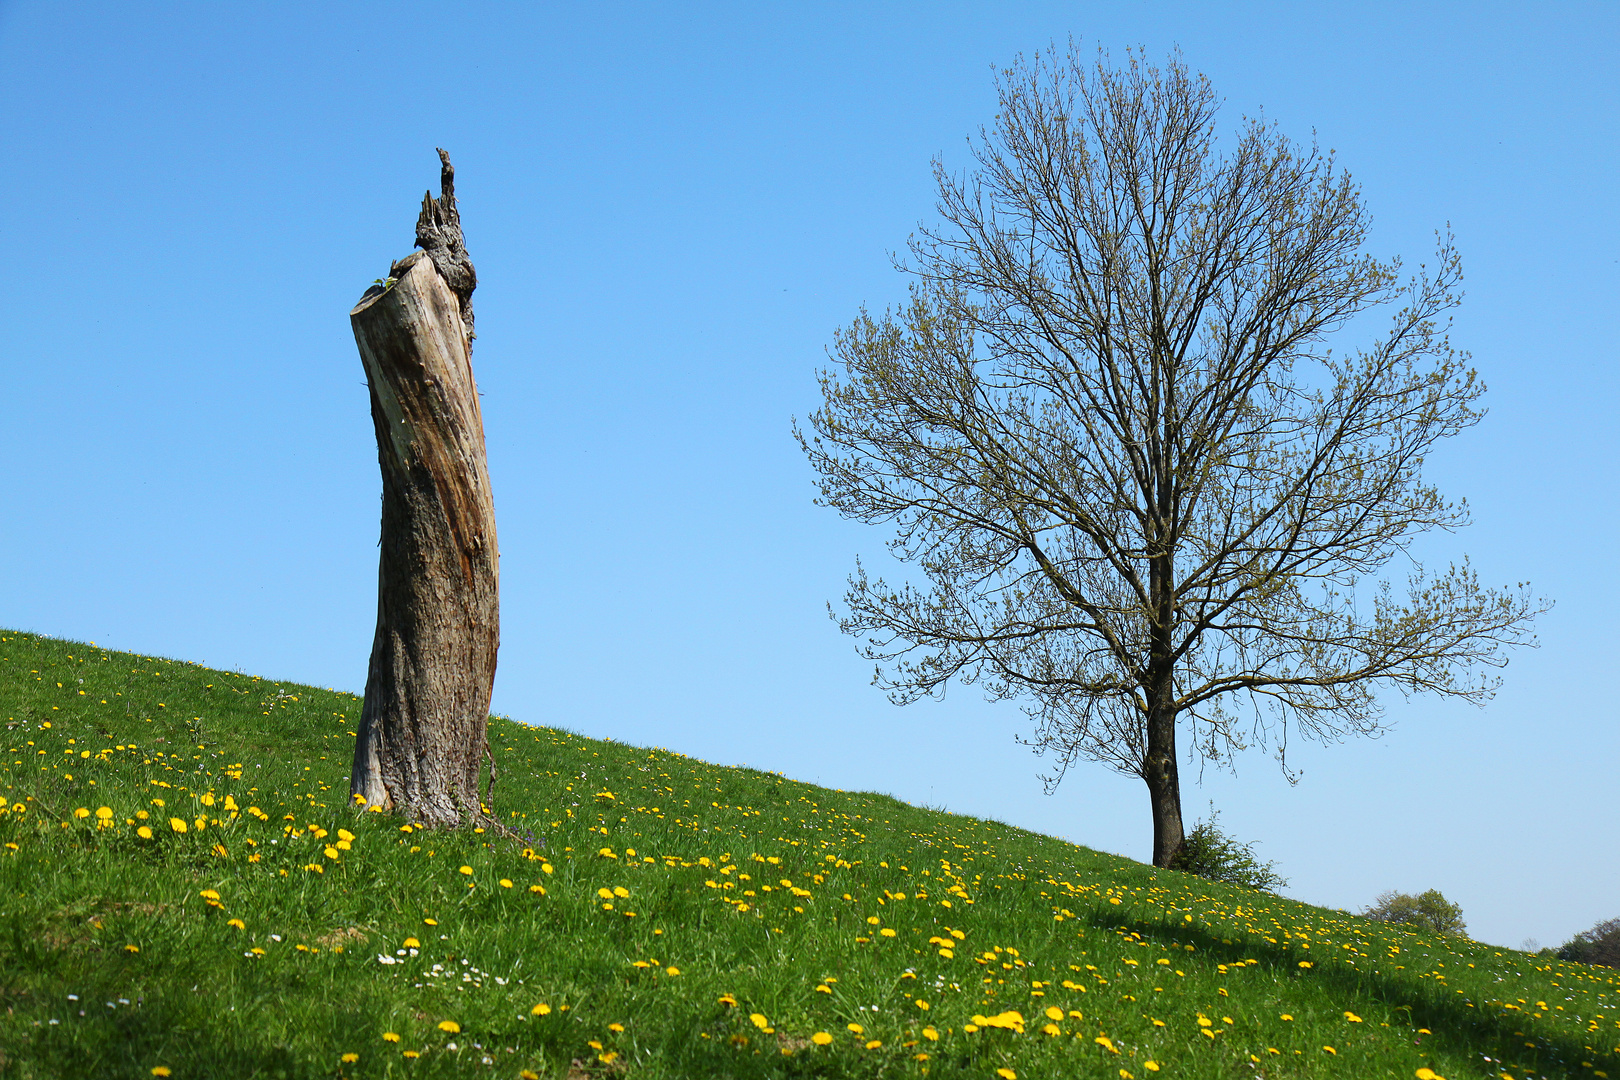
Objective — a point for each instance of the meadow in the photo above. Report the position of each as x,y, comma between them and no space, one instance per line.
184,892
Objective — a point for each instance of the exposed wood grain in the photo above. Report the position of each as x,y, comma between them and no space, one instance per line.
422,736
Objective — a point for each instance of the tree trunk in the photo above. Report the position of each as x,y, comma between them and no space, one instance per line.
423,728
1164,785
1159,764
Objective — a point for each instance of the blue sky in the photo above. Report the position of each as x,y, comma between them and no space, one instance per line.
671,209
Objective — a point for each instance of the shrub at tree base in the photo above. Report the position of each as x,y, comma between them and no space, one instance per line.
1427,911
1210,853
1599,945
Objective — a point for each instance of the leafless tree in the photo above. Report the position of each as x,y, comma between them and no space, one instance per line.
1145,495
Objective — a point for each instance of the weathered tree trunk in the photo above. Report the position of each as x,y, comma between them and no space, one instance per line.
423,728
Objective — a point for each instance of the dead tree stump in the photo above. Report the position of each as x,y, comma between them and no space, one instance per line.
423,728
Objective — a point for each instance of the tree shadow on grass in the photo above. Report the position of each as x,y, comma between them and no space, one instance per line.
1467,1032
128,1042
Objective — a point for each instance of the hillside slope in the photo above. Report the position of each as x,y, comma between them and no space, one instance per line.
183,892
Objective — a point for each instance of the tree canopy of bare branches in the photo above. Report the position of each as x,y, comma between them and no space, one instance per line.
1145,496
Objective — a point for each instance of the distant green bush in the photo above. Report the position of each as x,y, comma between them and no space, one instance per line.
1599,945
1211,853
1427,911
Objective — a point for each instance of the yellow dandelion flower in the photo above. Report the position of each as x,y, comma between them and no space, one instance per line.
1304,963
506,883
160,1070
1054,1013
759,1021
541,1009
855,1029
411,943
930,1034
349,1059
672,972
617,1029
1006,1074
450,1026
1330,1050
821,1038
391,1036
178,824
1352,1017
1151,1066
1286,1016
81,812
238,923
465,870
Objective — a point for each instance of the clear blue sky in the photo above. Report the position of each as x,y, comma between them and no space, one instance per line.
671,208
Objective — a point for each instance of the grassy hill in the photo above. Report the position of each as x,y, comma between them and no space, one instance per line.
184,893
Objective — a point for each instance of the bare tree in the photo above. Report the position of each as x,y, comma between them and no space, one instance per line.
423,735
1146,497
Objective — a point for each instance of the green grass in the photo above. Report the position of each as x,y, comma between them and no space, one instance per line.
744,913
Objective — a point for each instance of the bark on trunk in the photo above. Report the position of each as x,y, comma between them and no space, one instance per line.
1164,785
423,727
1159,766
1163,779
